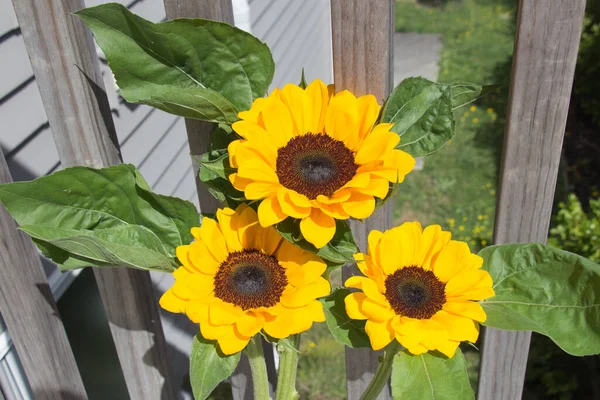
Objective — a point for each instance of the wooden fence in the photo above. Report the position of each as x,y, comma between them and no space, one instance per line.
66,69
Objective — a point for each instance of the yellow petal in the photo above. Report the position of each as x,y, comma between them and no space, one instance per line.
341,120
281,325
172,303
333,210
432,242
213,238
449,262
319,98
256,169
448,348
375,311
250,324
376,145
318,228
232,240
260,190
245,222
214,332
369,287
251,131
269,212
377,187
359,205
233,342
278,121
360,180
300,106
197,312
299,199
380,334
368,111
302,267
222,313
304,317
302,295
411,344
203,260
289,207
267,239
468,309
459,328
470,285
353,304
256,150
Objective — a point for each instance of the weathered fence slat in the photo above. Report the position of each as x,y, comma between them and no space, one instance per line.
198,137
545,53
31,315
362,62
65,64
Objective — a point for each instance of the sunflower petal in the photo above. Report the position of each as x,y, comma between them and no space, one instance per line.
270,212
380,334
319,97
233,342
318,228
359,205
302,295
341,121
353,304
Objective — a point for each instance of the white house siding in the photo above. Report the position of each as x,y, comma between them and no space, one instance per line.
299,35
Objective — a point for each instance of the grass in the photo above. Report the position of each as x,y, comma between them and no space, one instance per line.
457,187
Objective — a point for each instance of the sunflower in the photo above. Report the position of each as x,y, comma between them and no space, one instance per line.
317,157
238,278
420,288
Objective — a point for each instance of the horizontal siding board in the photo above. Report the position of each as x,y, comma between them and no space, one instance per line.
35,159
20,116
274,15
8,20
16,67
259,14
150,132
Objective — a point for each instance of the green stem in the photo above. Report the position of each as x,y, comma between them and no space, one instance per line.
383,373
258,367
288,364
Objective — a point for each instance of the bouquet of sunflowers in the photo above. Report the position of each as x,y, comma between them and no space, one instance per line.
292,168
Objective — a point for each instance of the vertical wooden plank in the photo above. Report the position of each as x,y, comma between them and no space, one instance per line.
546,47
65,64
362,63
31,314
198,138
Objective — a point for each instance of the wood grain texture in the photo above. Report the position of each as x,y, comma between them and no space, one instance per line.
362,63
65,64
198,137
545,54
31,315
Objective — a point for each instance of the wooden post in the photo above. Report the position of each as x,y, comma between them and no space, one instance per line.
66,68
362,63
31,315
545,53
198,137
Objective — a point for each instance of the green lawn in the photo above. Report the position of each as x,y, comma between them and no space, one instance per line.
457,187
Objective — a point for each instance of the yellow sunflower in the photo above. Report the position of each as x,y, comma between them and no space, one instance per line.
238,278
420,288
314,156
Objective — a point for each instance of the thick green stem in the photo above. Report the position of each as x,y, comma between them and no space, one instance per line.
288,364
383,373
258,367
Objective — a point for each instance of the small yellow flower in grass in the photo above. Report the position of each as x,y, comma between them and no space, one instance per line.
238,278
490,110
475,120
483,242
315,156
419,288
473,108
461,228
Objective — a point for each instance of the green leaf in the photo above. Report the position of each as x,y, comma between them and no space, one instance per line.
428,377
421,112
208,367
195,68
546,290
214,172
105,217
349,332
464,93
339,251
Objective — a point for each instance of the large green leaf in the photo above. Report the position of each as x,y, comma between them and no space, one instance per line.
421,111
196,68
339,251
349,332
546,290
428,377
105,217
208,367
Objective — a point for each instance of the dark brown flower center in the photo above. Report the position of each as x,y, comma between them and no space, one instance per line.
415,292
250,279
314,164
